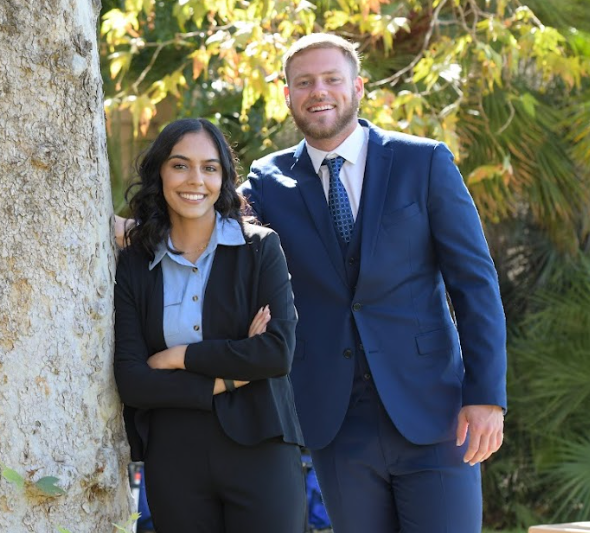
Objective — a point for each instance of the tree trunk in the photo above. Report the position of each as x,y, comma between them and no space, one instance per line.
59,410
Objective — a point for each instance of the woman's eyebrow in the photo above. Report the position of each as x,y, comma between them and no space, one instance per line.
177,156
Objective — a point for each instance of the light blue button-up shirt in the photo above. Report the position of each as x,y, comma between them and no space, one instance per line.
185,283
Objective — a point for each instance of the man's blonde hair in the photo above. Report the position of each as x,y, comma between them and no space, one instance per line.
323,40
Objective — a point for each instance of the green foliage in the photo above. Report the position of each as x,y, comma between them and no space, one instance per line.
553,374
126,528
491,80
13,477
46,486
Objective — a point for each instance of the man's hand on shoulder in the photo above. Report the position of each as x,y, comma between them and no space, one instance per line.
485,424
120,225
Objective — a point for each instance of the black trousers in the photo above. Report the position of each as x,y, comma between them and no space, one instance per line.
198,480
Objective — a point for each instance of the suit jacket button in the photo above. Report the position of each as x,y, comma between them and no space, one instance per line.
356,307
347,354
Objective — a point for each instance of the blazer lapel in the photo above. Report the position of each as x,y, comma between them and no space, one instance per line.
310,188
378,172
155,310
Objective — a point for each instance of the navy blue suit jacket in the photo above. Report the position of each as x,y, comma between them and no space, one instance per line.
421,238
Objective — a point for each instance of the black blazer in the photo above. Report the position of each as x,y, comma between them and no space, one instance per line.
242,280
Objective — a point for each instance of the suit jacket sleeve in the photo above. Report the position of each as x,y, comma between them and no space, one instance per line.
471,281
252,191
262,356
139,385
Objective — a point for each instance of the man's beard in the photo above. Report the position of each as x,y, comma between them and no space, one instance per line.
319,131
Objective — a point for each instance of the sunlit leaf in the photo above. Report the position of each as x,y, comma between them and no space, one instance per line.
483,172
12,476
529,102
119,62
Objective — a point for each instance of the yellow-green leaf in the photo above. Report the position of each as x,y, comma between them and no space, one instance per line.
529,102
484,172
12,476
120,62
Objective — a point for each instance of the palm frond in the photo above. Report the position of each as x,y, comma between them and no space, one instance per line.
569,478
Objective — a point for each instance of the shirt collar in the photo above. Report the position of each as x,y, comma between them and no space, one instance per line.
226,232
350,149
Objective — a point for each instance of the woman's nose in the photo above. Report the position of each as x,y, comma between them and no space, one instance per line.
195,176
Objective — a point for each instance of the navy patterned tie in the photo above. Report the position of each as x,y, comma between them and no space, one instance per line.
338,202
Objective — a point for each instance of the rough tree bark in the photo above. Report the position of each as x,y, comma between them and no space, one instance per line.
59,411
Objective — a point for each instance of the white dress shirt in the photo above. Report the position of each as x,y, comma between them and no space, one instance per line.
354,150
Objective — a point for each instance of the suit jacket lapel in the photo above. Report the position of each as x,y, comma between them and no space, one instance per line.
311,190
378,172
155,309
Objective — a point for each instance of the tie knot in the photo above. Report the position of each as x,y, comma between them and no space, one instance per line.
334,164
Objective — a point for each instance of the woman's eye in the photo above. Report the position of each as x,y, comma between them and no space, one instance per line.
179,166
211,169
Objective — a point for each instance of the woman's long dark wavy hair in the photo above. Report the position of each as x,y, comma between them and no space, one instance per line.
148,205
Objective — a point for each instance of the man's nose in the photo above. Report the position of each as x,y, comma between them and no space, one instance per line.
319,90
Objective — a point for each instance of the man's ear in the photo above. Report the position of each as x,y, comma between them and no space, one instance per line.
359,87
287,98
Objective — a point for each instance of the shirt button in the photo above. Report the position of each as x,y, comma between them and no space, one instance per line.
197,328
356,307
367,376
361,348
195,298
195,270
347,354
351,260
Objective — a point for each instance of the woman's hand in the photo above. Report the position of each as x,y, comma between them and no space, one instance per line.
260,321
169,359
257,327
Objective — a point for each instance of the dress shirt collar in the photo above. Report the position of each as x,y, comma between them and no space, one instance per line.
226,232
350,149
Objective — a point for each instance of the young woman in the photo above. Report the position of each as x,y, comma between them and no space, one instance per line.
205,333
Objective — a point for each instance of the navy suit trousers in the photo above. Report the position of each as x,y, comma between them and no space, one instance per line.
374,480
